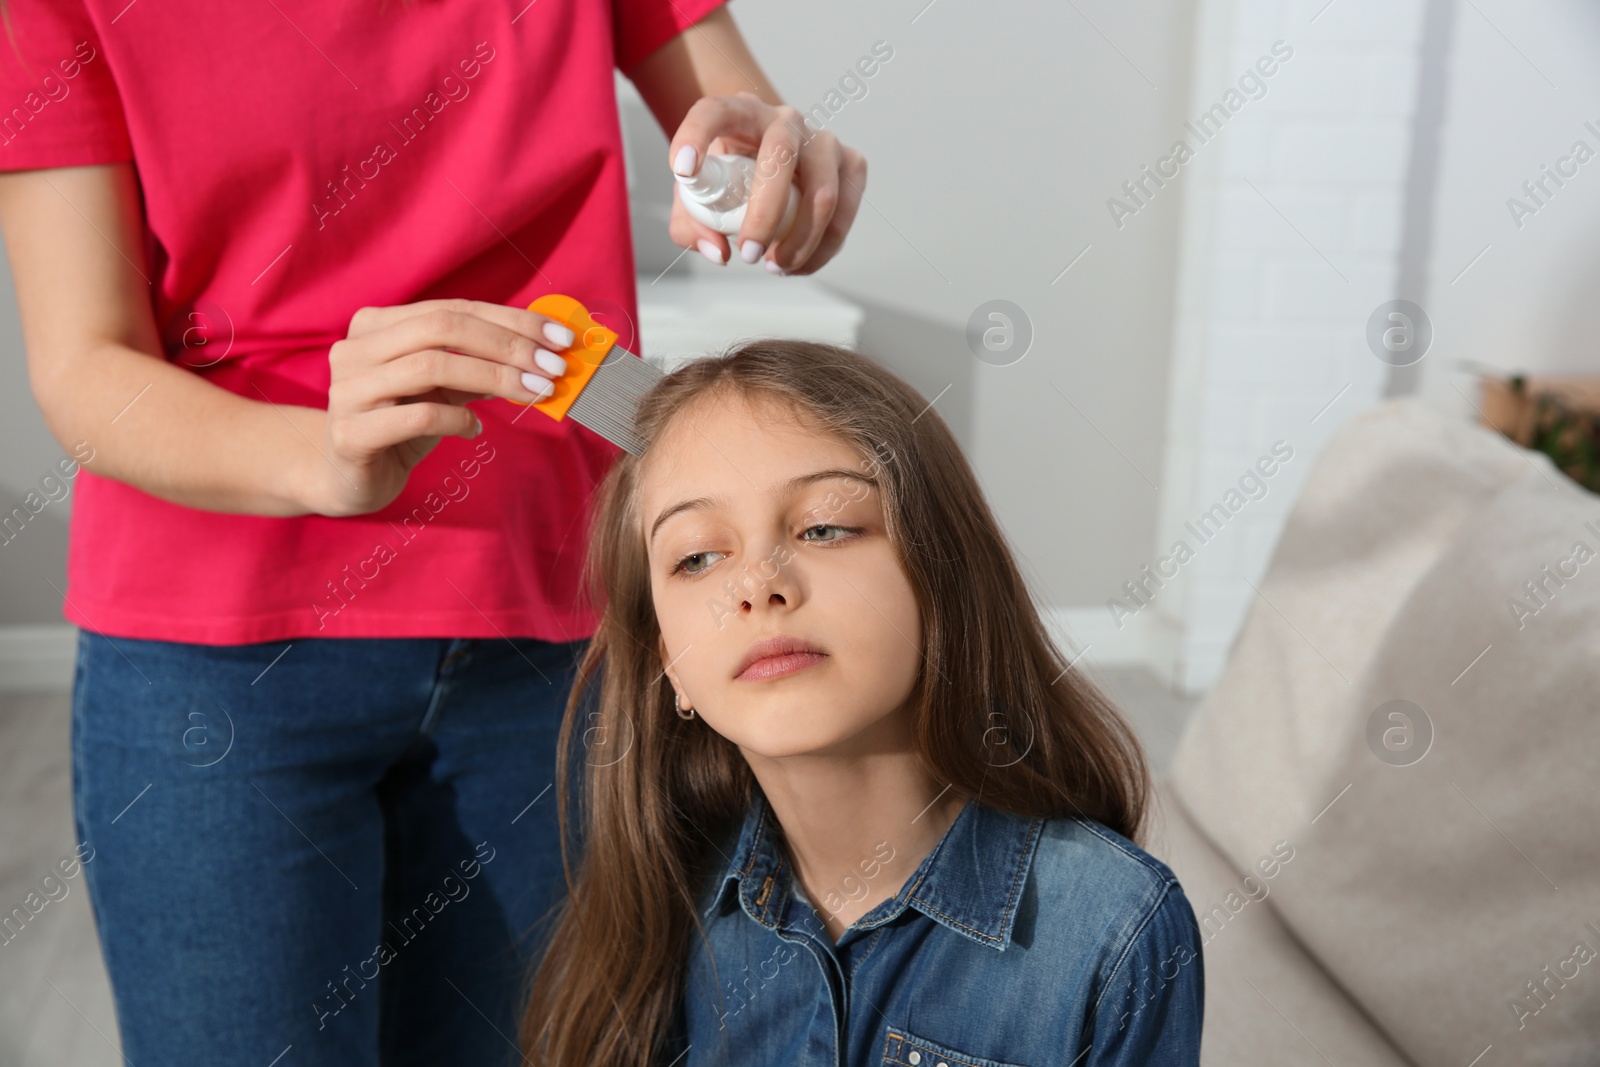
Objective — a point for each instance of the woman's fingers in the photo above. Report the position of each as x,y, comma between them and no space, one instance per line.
715,125
782,144
402,376
819,200
376,431
739,120
480,336
408,372
458,331
687,231
541,328
852,186
415,374
530,324
831,178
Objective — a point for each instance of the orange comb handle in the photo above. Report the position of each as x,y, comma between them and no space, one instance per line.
590,343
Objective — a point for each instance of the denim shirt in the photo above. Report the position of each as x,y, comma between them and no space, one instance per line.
1017,942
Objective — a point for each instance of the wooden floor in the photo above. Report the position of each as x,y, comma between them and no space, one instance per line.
55,1002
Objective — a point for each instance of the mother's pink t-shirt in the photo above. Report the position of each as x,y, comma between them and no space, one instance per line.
299,161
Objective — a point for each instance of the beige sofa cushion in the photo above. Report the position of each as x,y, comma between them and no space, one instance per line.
1268,1003
1432,892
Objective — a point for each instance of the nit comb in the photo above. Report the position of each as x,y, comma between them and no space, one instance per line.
604,382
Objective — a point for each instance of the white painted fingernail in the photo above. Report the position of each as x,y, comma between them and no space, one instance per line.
683,162
751,250
773,268
550,363
710,251
536,385
558,334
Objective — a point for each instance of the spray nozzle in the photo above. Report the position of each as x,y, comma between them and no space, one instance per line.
707,183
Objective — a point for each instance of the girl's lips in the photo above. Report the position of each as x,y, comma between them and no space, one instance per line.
778,666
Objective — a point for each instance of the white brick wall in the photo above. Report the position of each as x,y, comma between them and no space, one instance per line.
1290,235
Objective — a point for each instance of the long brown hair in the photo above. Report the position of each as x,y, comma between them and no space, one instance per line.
998,714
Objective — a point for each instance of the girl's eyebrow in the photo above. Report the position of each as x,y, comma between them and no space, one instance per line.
785,489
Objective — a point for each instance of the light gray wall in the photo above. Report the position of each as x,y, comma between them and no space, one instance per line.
37,556
1520,91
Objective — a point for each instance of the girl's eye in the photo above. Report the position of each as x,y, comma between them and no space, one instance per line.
693,563
698,562
841,533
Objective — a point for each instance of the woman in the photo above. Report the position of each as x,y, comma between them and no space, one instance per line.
866,813
272,263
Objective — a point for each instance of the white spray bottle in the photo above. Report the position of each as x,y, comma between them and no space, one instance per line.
718,193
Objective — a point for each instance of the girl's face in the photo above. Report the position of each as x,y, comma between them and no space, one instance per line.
786,620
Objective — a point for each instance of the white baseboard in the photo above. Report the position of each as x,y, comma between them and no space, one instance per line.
1148,639
38,658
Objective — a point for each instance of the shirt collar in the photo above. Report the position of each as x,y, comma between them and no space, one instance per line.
971,881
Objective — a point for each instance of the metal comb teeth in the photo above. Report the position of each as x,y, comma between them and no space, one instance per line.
609,402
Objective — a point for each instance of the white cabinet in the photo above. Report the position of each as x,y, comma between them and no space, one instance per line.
685,316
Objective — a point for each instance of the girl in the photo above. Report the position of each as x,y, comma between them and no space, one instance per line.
845,802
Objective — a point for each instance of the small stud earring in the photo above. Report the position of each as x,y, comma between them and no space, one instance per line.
677,705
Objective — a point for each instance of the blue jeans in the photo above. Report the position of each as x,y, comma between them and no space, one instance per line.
329,850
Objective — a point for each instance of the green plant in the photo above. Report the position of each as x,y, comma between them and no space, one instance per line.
1570,437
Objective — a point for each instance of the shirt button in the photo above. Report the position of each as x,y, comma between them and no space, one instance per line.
915,1057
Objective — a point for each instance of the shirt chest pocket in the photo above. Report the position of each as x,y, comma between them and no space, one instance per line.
902,1048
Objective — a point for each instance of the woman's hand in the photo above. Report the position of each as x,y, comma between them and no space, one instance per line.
830,175
401,380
